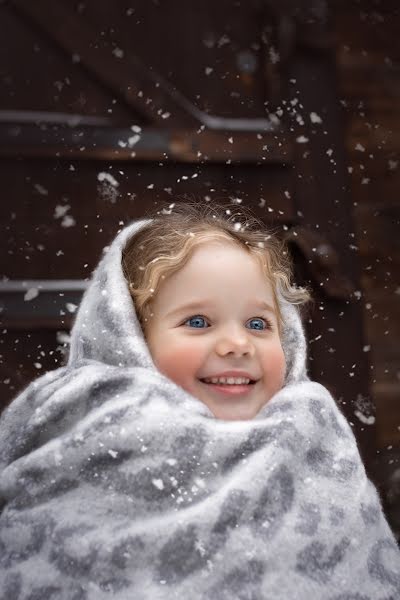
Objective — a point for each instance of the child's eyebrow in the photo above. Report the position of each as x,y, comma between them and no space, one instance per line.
197,304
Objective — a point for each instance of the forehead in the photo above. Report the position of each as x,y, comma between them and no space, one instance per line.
226,260
218,265
222,252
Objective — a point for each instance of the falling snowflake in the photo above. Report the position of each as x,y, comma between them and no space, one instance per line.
104,176
273,55
71,307
63,337
31,294
40,189
133,140
118,52
314,118
68,221
223,40
60,210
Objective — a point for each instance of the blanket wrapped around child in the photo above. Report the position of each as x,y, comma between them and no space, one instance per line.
117,483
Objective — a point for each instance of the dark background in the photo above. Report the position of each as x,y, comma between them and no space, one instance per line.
292,108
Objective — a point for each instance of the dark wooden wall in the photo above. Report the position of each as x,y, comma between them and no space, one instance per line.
108,108
368,64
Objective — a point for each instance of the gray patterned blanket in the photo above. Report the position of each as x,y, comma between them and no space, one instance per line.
116,483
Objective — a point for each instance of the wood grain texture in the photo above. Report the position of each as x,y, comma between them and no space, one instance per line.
368,54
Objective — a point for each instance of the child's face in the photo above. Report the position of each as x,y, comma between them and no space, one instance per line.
224,330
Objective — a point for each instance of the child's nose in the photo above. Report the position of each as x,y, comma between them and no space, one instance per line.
236,343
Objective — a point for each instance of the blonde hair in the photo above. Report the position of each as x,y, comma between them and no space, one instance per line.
164,246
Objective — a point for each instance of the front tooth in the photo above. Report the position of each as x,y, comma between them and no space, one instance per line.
238,380
229,380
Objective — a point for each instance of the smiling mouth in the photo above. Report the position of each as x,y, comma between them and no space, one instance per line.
252,382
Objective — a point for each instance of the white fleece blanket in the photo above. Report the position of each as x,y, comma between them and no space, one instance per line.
116,483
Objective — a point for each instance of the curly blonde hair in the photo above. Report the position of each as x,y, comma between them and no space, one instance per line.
164,246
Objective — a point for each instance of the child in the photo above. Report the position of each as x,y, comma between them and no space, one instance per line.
134,472
197,267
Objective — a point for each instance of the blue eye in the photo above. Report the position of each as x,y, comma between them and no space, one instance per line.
198,319
259,320
195,318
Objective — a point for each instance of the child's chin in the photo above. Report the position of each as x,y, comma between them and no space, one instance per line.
227,409
229,415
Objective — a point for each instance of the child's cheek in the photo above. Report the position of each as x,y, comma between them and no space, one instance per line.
275,369
182,365
280,368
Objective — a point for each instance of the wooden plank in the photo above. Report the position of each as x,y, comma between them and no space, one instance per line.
384,138
29,355
55,207
370,28
149,144
39,304
375,181
378,242
127,78
37,75
388,413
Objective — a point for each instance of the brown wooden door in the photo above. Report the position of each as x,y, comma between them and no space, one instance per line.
107,109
